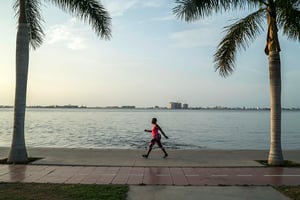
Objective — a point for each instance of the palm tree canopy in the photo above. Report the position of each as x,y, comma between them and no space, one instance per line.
240,34
289,18
90,11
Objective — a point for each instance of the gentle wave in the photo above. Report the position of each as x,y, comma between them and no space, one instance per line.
187,129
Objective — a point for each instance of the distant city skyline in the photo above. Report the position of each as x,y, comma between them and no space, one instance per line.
183,107
152,59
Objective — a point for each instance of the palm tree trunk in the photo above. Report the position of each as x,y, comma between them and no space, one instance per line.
18,153
272,50
275,154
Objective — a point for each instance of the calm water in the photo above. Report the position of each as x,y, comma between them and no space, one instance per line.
187,129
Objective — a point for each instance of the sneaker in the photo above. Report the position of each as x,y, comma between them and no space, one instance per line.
165,156
145,156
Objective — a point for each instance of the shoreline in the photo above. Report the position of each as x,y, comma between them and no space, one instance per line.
145,148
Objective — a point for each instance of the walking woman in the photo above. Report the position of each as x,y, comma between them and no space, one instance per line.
156,138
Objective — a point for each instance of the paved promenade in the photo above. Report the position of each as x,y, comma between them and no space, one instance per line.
132,158
181,176
185,174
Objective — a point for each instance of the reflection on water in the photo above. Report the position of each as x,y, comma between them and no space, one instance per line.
187,129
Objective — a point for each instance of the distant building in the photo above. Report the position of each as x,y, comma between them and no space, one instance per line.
174,105
185,106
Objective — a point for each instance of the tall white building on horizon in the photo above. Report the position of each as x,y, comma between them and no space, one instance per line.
174,105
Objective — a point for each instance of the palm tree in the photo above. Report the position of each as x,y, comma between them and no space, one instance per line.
279,14
30,33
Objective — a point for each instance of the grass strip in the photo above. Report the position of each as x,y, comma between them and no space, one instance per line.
292,192
35,191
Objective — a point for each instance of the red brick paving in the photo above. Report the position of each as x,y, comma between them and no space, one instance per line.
150,175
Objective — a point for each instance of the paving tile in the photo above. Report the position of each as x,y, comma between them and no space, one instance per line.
136,175
81,174
193,180
165,180
120,179
137,170
84,176
99,170
112,170
105,179
293,181
122,175
3,170
178,176
107,175
59,174
34,173
125,170
90,179
190,171
160,176
150,179
135,179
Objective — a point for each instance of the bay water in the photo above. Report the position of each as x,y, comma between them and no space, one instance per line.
124,128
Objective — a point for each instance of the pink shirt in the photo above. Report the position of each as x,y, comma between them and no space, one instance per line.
154,131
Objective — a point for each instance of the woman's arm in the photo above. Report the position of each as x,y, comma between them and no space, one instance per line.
147,130
162,132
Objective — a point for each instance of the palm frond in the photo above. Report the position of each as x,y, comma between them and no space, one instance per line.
191,10
34,19
262,2
91,11
238,35
288,16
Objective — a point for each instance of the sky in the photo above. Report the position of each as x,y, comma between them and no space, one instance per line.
152,58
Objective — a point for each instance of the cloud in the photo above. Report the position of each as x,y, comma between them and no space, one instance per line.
158,19
153,3
117,8
66,34
166,18
199,37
